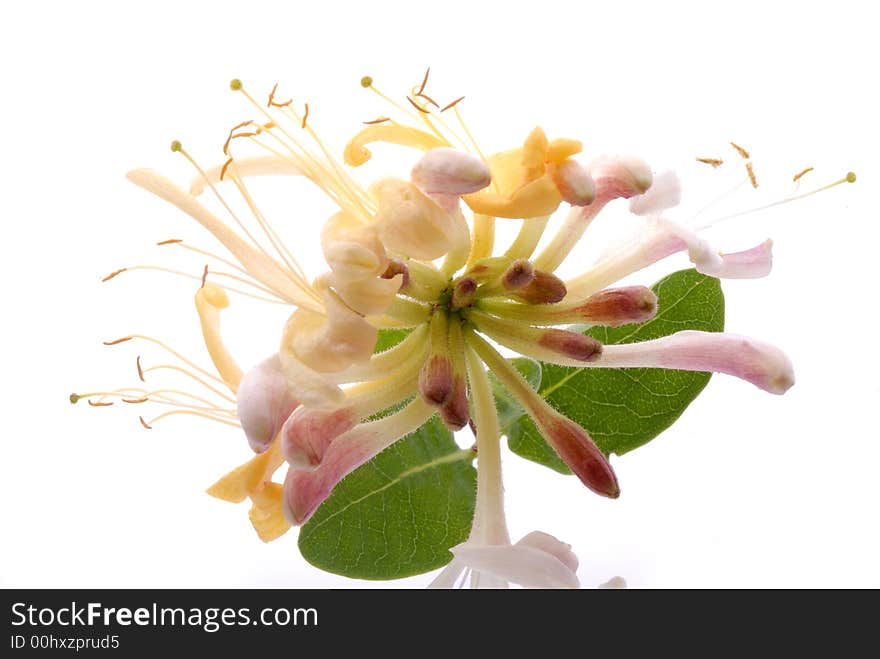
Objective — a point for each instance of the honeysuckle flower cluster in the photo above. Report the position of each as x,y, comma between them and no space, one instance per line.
419,254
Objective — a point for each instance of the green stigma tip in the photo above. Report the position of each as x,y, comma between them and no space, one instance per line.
176,146
850,177
366,82
74,399
235,84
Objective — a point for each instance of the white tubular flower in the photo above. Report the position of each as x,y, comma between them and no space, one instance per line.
538,560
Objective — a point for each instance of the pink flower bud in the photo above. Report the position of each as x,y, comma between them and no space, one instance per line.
308,432
545,288
518,275
436,380
574,183
619,306
571,344
264,403
449,171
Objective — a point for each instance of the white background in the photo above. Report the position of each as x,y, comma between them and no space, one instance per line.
748,489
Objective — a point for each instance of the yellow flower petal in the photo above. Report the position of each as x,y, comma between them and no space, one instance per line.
210,300
356,152
266,514
243,481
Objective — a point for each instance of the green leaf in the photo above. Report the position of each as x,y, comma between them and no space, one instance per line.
623,409
388,338
399,514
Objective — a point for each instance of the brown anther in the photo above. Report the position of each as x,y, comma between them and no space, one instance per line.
144,423
170,241
741,151
204,276
424,82
143,399
751,173
99,404
715,162
799,174
113,274
380,120
140,370
453,104
417,106
225,166
122,340
273,103
429,99
232,135
305,116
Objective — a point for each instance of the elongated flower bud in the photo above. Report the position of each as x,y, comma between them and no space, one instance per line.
436,378
571,344
571,442
455,412
545,288
618,306
762,364
264,403
449,171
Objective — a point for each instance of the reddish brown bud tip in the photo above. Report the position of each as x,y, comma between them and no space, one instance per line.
545,288
581,454
455,413
571,344
464,293
519,274
619,306
436,380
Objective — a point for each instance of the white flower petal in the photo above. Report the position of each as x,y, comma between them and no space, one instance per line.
519,564
664,193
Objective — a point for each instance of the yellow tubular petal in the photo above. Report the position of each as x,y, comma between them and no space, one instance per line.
241,482
266,515
356,152
561,148
210,300
535,199
258,265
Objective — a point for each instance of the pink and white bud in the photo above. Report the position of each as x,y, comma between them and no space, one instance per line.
448,171
574,183
264,403
308,432
762,364
618,306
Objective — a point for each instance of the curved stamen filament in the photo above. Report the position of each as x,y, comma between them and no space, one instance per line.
216,273
202,415
166,347
191,375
